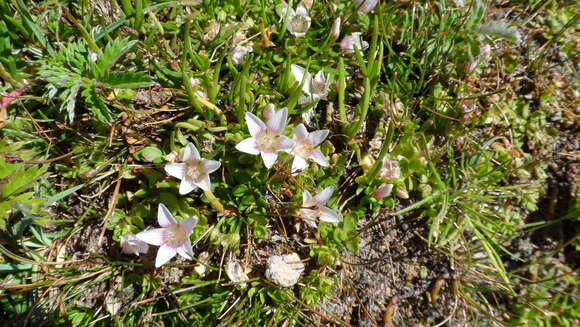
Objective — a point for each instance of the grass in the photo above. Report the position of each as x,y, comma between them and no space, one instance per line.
102,98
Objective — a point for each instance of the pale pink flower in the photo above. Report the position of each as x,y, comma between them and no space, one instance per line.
130,244
304,148
193,171
353,40
335,29
172,238
267,139
365,6
313,207
315,88
390,169
239,53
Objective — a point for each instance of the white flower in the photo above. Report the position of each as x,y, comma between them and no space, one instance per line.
193,171
130,244
298,21
353,40
390,169
314,207
172,238
239,53
315,88
304,147
267,139
365,6
382,191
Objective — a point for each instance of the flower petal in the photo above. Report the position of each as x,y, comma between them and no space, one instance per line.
190,152
164,217
298,73
188,224
164,254
278,121
300,132
248,146
204,183
329,215
298,164
269,111
305,100
211,165
187,185
319,158
255,125
176,170
316,137
284,143
269,158
154,236
324,195
307,199
185,249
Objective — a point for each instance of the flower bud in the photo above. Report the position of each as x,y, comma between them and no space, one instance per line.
335,29
365,6
382,191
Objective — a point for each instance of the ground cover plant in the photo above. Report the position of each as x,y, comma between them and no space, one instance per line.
298,163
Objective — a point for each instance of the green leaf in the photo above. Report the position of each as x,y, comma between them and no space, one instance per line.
96,104
111,54
126,80
150,154
500,29
22,180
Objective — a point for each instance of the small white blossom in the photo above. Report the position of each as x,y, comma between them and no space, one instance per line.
304,148
390,169
266,139
298,21
335,29
313,207
193,171
172,238
239,53
315,88
353,40
130,244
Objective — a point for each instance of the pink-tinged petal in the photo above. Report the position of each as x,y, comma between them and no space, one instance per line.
176,170
185,250
204,183
188,224
383,191
153,236
300,132
278,121
248,146
164,254
305,100
164,217
324,195
319,158
298,164
187,185
255,125
284,143
269,158
190,152
211,165
329,215
316,137
307,199
269,111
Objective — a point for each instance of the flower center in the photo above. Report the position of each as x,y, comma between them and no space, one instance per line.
302,149
318,87
299,24
267,142
195,170
175,236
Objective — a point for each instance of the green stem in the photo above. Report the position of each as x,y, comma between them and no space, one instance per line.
364,108
341,90
385,148
5,75
215,203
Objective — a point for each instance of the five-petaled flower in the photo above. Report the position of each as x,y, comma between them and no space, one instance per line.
298,21
304,148
315,88
193,171
172,238
314,207
267,139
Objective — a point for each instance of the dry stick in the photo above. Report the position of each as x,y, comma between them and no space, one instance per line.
38,162
112,204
